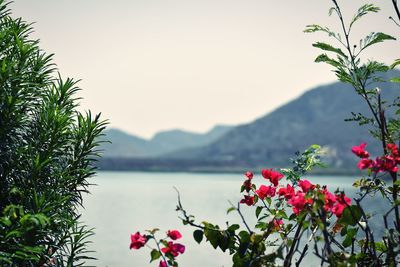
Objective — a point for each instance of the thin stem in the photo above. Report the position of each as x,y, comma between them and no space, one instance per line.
243,219
354,67
159,250
288,259
396,8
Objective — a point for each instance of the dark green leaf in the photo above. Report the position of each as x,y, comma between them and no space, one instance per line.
328,47
155,255
198,236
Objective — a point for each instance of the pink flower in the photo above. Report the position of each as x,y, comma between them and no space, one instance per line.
271,175
298,201
162,264
306,185
277,224
247,185
341,204
365,164
385,163
174,234
266,191
287,192
248,200
360,150
137,241
330,200
393,149
174,249
249,175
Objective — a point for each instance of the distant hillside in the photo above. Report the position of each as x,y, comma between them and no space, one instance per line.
316,117
124,145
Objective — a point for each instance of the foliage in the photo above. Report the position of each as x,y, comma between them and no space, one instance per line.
168,253
47,151
298,217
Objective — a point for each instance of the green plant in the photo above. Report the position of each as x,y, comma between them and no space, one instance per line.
295,219
47,154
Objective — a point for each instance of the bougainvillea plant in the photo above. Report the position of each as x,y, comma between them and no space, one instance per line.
298,222
167,250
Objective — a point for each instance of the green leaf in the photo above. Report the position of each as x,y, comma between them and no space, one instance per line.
351,215
317,28
328,60
155,255
364,10
233,227
328,47
395,63
374,38
258,210
395,80
230,210
198,236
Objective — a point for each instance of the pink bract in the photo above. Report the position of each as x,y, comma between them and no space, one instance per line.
360,150
266,191
272,176
249,175
306,185
248,200
174,234
137,241
174,249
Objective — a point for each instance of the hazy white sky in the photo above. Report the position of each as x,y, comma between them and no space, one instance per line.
151,65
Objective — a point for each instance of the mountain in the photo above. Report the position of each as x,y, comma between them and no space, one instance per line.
124,145
316,117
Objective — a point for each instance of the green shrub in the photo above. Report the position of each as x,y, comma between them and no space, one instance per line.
47,152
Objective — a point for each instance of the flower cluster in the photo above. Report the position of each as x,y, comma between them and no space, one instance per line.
168,252
299,197
385,163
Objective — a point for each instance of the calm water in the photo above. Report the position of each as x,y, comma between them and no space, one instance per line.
125,202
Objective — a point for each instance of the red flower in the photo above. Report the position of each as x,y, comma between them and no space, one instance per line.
174,234
365,164
277,224
341,204
330,200
385,163
287,192
271,175
360,150
137,241
174,249
298,201
306,185
266,191
162,264
247,185
393,149
248,200
249,175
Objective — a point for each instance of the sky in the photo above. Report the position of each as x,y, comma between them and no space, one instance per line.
152,65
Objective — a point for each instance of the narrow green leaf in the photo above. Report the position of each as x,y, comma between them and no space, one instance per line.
374,38
258,210
364,10
328,47
230,210
395,80
395,63
328,60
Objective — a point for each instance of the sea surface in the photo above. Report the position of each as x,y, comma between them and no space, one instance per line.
122,203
